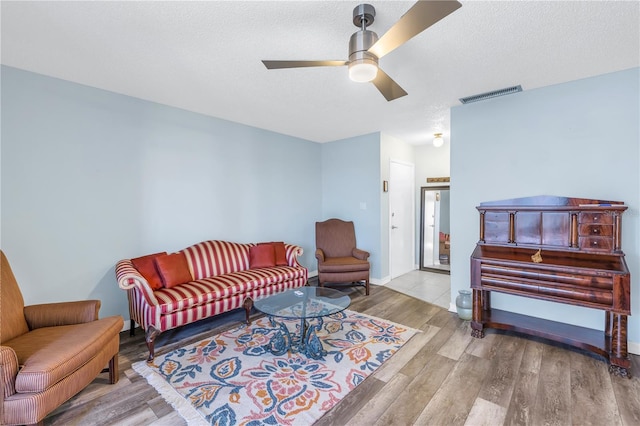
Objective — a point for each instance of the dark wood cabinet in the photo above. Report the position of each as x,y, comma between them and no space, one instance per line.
559,249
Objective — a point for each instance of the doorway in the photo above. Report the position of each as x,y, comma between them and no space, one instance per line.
435,231
401,218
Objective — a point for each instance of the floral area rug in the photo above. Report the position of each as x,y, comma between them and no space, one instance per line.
231,379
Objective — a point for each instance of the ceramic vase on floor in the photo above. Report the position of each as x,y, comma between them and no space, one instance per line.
464,305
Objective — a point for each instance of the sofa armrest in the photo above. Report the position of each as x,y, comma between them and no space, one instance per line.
320,255
64,313
360,254
8,373
292,253
130,279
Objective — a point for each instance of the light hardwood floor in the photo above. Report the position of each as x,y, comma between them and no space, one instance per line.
443,376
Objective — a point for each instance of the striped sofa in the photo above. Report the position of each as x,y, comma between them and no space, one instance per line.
222,281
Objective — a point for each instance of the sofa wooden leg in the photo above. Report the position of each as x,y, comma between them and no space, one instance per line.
150,337
132,328
114,375
247,305
366,286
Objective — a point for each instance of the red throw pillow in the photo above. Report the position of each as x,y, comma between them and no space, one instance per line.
147,268
173,269
281,254
262,256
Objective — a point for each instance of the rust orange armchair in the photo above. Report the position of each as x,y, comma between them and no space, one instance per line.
49,352
339,261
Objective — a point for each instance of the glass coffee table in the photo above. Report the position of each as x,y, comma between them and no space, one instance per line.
306,304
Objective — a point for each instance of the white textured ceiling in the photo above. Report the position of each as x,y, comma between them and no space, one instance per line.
205,56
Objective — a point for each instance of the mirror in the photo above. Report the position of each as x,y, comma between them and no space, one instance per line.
435,229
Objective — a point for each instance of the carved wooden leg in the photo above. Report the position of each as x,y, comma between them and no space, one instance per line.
366,286
132,329
477,328
150,337
608,324
114,375
620,363
247,305
486,300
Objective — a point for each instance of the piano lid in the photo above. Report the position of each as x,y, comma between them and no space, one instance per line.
549,201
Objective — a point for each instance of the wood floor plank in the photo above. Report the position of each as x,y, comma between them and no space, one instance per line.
591,389
410,402
485,413
444,318
627,393
457,344
353,402
406,353
523,398
553,402
422,357
453,401
481,348
374,407
505,365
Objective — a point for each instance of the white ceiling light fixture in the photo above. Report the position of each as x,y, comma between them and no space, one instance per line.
438,141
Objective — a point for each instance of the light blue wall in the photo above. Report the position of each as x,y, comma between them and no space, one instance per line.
90,177
578,139
350,177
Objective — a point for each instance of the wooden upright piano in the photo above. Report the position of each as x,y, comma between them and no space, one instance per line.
559,249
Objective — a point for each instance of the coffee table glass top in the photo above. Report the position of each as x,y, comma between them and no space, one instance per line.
304,302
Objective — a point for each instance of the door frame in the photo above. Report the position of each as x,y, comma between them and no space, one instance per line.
423,189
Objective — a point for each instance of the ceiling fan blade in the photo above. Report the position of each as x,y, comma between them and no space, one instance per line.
302,64
389,88
421,16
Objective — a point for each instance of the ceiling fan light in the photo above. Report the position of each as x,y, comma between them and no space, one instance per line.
363,70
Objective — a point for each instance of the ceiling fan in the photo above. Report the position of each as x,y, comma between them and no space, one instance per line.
365,48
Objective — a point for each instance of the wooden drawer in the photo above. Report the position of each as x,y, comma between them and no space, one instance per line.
548,275
590,230
496,227
595,218
595,243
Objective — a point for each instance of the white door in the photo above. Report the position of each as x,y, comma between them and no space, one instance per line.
402,218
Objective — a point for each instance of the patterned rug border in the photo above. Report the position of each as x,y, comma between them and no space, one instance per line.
169,394
189,413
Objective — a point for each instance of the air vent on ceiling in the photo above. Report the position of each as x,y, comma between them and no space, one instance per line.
492,94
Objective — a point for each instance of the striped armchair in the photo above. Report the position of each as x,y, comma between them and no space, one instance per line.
49,352
221,280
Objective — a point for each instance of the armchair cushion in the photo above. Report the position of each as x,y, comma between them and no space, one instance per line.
343,264
65,313
69,347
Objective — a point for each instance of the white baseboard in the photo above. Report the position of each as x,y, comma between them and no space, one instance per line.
381,281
